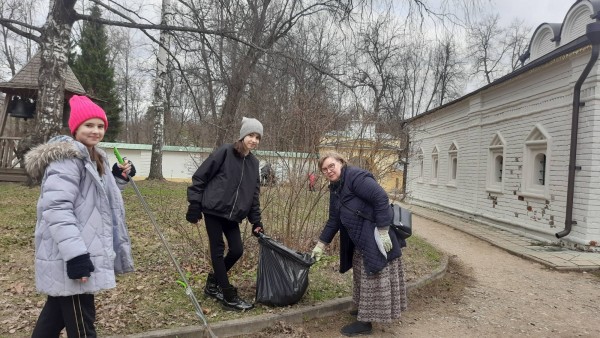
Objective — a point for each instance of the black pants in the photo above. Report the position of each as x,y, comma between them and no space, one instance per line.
216,227
77,313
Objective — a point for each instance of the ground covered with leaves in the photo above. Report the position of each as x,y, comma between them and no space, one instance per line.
151,298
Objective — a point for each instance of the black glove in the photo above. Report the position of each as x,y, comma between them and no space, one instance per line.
132,171
258,225
80,266
118,172
194,212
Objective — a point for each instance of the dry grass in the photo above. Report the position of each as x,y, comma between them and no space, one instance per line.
151,298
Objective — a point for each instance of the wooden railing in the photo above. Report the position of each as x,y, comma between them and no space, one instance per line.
10,170
8,155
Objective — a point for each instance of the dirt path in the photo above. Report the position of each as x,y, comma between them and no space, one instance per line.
486,293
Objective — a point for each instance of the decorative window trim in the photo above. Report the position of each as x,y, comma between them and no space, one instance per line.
495,169
452,165
420,166
435,165
535,175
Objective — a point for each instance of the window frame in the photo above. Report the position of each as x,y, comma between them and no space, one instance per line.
420,166
435,165
536,143
452,168
496,148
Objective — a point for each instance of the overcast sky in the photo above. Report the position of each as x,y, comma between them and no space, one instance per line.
534,12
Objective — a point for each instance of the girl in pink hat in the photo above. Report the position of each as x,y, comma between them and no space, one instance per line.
81,239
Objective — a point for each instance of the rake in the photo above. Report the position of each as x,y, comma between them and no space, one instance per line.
185,284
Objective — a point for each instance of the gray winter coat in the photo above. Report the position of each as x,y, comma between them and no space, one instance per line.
77,213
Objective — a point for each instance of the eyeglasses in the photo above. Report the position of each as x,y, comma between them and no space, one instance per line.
330,167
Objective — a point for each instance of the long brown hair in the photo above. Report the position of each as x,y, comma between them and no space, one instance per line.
96,157
239,148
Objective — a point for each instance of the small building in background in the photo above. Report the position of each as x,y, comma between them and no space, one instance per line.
19,104
362,146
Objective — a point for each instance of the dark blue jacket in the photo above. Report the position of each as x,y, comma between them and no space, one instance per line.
228,185
360,193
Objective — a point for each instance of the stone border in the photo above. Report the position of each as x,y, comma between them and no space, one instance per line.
255,324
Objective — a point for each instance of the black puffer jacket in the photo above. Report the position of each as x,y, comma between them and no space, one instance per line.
359,191
228,185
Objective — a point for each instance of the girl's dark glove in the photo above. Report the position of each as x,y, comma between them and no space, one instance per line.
194,212
260,227
132,172
118,172
80,266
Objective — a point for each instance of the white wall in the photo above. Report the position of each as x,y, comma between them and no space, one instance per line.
180,163
542,97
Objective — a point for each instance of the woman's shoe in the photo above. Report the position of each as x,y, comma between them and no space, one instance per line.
357,328
231,301
211,289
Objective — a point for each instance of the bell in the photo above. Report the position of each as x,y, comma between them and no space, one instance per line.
21,108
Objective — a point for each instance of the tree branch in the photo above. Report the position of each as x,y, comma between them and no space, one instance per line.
229,35
8,23
153,39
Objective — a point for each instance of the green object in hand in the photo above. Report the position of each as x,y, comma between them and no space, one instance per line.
118,155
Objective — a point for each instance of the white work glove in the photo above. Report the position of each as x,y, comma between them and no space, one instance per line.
386,241
317,252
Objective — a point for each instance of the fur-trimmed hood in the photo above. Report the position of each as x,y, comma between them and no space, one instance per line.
56,149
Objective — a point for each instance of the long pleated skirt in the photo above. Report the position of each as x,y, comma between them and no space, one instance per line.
380,297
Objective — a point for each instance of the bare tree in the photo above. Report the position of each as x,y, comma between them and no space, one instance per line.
517,38
234,35
158,103
448,73
54,45
15,49
260,23
495,49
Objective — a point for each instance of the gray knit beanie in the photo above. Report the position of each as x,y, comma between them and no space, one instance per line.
250,125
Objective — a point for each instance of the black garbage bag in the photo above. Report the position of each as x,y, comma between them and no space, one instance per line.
282,276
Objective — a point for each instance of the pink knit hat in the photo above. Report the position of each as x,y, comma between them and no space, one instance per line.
83,109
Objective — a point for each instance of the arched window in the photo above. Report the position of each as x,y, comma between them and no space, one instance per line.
420,165
495,170
452,164
536,163
434,165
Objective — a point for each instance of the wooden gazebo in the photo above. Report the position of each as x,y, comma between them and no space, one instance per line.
25,86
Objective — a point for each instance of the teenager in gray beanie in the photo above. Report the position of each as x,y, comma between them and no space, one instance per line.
225,188
249,126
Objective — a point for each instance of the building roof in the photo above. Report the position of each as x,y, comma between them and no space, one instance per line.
26,80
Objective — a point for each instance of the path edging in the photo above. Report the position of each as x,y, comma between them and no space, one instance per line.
255,324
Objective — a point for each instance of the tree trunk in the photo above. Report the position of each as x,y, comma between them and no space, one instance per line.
235,89
53,68
158,106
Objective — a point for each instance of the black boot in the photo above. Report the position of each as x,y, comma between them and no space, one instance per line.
231,300
212,289
357,328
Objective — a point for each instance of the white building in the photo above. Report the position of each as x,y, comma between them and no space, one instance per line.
501,154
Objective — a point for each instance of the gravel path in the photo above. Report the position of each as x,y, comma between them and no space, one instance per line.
487,292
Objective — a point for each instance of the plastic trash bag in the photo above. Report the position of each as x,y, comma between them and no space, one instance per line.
282,276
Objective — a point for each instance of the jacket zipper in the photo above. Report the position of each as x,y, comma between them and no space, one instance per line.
237,191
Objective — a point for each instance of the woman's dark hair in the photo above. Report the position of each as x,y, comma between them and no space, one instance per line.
239,148
96,157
